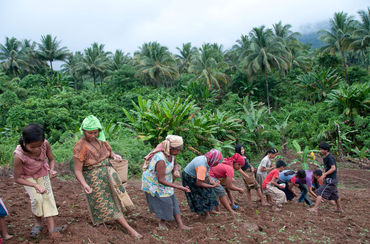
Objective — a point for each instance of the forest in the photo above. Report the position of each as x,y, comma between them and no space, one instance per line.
268,90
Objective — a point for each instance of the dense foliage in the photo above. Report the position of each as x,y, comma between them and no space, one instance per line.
267,90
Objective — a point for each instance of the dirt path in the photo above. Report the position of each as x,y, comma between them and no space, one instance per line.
254,223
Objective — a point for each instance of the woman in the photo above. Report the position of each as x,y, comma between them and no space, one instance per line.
157,182
264,167
201,198
106,197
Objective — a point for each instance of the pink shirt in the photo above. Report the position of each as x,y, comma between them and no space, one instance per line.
222,171
33,167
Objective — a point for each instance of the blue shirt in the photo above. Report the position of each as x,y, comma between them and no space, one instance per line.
285,177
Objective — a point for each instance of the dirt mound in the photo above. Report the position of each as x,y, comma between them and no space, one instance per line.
253,224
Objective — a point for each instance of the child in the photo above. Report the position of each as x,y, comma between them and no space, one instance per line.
225,172
316,181
265,166
303,180
284,177
32,170
272,188
247,171
4,229
328,190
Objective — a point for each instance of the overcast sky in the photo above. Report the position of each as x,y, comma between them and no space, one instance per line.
126,25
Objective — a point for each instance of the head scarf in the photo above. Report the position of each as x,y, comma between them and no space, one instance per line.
165,146
214,156
237,158
92,123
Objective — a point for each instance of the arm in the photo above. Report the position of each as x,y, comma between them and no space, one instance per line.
291,189
331,170
202,183
312,192
18,172
244,174
80,177
274,182
50,156
230,186
160,168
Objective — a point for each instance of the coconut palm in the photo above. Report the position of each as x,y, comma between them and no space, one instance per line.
341,29
72,67
29,52
119,59
210,66
11,56
49,50
265,54
187,53
155,62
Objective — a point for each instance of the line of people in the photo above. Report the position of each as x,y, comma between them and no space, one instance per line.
207,180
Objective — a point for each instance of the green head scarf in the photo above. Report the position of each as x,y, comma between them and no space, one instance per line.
92,123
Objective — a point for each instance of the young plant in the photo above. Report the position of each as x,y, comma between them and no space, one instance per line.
304,157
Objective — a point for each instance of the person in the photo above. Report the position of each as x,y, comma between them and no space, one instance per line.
328,190
317,180
272,188
157,182
201,198
284,177
4,230
33,167
266,166
225,173
248,171
303,180
107,199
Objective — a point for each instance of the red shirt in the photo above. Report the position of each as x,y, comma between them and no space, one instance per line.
273,174
222,171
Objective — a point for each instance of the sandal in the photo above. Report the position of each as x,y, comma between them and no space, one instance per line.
235,207
36,230
60,228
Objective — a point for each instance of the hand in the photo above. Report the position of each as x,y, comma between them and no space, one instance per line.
322,178
216,183
176,174
52,173
39,189
185,189
117,157
241,191
87,189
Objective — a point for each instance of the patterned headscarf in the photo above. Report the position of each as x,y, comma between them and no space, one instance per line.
92,123
237,158
214,156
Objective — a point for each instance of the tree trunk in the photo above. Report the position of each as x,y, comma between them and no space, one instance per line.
51,66
344,65
267,92
94,79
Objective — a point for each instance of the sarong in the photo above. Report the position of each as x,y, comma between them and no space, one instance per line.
109,199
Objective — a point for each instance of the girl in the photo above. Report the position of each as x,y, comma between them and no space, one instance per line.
32,170
4,229
265,166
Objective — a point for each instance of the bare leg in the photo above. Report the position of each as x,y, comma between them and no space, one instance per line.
125,225
225,202
38,221
249,196
339,207
263,202
50,224
4,229
230,197
180,223
269,199
162,225
317,203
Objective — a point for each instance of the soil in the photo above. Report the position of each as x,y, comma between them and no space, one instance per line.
254,223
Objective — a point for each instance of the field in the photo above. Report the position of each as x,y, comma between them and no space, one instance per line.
254,224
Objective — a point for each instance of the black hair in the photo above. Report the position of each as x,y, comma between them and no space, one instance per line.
238,148
289,172
280,163
272,151
325,146
318,172
301,174
31,133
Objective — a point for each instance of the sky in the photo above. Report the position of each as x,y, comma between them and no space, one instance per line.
126,25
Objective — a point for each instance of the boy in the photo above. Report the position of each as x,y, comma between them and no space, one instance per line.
284,177
303,180
328,190
272,188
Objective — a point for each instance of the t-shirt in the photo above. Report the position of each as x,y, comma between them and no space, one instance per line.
328,162
198,168
273,174
222,171
266,162
286,175
246,165
307,180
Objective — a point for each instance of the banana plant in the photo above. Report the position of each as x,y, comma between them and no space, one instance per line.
304,157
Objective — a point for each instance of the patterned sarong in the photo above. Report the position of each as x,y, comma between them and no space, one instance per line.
109,199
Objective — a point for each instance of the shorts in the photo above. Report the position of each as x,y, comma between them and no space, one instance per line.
219,190
328,190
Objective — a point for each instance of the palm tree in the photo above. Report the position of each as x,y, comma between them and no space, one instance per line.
265,54
34,64
72,67
361,36
119,59
187,53
341,28
11,57
210,66
156,63
95,62
50,51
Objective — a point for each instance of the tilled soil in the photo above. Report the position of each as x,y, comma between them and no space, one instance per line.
253,224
